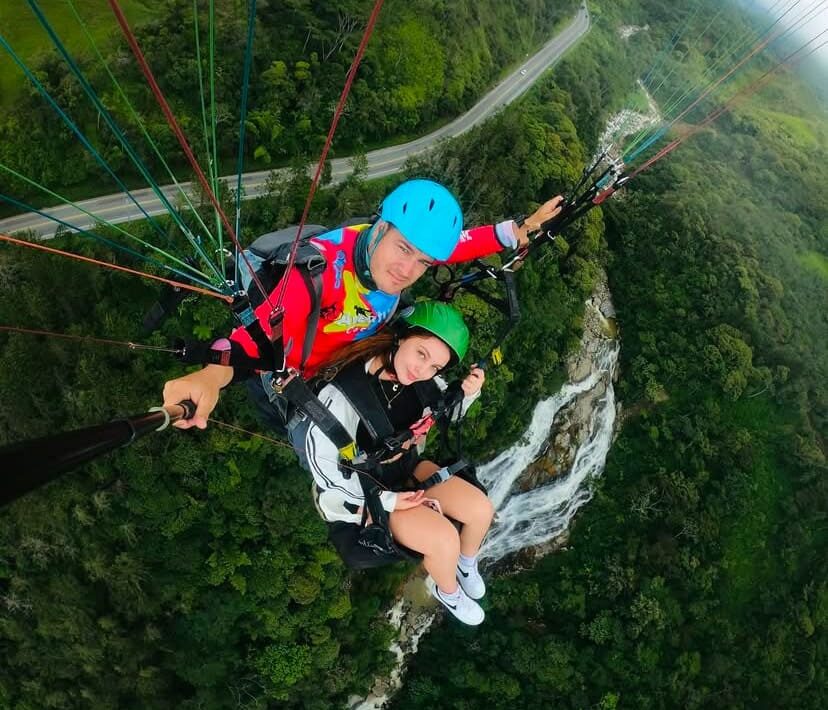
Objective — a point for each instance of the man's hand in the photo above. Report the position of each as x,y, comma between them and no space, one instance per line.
548,210
202,388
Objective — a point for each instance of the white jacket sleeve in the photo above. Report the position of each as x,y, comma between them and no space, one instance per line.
339,494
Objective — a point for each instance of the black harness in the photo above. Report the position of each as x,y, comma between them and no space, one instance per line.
363,546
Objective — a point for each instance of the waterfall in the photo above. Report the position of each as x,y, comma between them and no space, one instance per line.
529,518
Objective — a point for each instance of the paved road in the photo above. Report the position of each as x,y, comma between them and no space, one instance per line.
119,208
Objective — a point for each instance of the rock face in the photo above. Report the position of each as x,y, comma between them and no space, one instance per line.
627,31
412,615
566,437
415,611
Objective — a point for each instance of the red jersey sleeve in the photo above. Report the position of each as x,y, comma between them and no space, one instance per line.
476,243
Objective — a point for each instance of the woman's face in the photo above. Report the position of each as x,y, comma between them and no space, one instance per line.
420,358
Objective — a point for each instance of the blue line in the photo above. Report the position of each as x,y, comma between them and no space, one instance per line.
68,121
90,92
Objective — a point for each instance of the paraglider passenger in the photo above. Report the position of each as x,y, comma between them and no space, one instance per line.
393,376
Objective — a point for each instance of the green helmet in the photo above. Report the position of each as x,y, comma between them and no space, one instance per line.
442,320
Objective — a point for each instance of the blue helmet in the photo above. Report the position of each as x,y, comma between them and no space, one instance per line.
427,215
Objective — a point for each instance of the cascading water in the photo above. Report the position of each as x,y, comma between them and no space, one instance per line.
529,518
532,517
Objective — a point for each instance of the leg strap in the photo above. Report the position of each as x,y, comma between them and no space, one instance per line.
442,474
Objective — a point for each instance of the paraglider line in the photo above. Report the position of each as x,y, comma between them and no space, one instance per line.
116,267
179,134
369,28
88,339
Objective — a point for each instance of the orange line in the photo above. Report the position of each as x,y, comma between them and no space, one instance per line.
179,284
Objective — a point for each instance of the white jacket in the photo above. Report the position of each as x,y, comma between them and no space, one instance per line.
333,486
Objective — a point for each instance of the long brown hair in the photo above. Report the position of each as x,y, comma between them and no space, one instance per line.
381,345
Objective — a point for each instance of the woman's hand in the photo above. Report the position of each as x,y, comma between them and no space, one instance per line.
202,388
409,499
548,210
473,382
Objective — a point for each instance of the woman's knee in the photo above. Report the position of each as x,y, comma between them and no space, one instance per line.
443,539
477,505
447,543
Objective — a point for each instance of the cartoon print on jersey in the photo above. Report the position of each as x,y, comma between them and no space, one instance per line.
328,312
363,310
383,306
339,266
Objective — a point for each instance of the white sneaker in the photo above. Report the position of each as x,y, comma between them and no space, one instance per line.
465,609
471,581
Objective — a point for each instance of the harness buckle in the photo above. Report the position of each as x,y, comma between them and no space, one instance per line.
281,380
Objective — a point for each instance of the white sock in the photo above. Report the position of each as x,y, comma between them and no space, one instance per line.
467,563
452,597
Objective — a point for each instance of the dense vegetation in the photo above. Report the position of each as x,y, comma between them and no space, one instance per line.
697,576
428,61
191,570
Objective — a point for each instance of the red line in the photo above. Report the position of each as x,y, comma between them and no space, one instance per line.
739,96
116,267
757,48
85,338
369,28
176,129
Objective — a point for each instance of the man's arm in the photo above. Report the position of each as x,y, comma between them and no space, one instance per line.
203,387
484,241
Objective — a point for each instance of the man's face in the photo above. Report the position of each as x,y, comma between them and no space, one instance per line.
396,264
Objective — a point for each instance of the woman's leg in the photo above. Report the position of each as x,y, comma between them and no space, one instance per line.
430,534
463,502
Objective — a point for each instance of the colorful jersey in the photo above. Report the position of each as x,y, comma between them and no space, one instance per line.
349,311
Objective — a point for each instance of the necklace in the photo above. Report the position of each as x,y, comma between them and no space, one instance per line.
396,388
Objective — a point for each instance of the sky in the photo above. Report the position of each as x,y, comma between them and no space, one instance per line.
816,12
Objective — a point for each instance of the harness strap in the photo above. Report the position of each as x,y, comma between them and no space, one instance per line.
297,392
312,276
376,536
442,474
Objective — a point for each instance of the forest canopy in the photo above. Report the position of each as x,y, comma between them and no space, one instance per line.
192,571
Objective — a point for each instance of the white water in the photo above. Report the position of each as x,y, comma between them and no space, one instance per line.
529,518
626,123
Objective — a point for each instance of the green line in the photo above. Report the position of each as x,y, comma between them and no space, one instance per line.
121,230
211,169
137,119
213,118
114,245
113,126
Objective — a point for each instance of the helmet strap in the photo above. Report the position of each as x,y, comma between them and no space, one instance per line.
366,245
389,365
